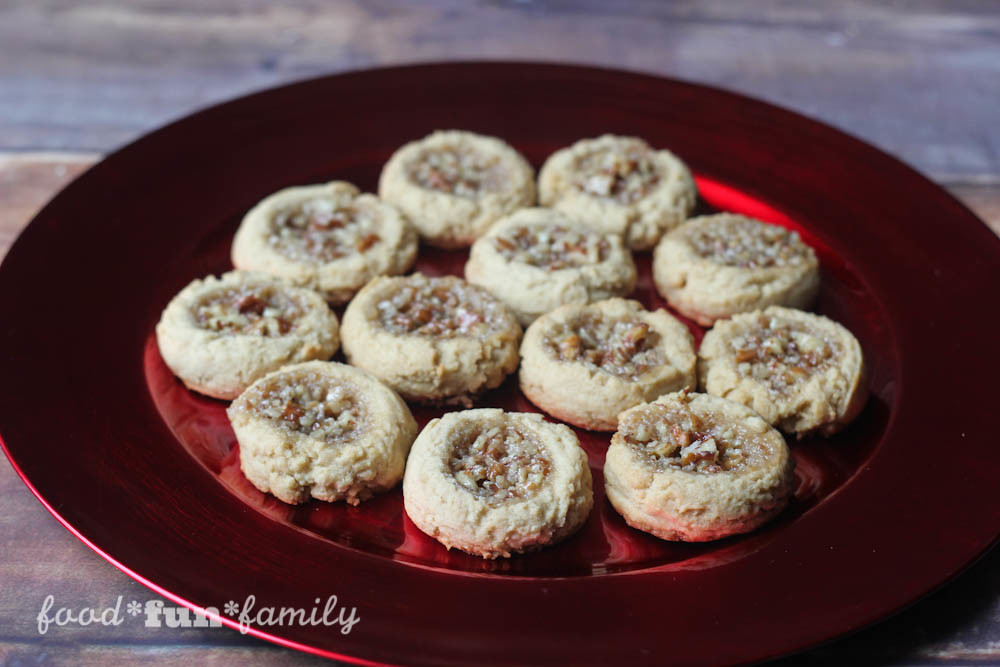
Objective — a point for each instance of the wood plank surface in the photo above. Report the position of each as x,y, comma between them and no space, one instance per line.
919,78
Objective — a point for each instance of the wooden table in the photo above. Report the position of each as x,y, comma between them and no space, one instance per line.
919,79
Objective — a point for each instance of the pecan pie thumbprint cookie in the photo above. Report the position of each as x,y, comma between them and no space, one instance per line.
586,364
538,259
329,237
694,467
494,483
714,266
322,430
802,372
435,340
620,185
218,335
453,185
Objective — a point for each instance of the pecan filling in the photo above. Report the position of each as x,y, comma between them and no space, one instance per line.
445,307
463,172
551,247
311,404
248,311
748,244
319,230
624,174
782,354
627,347
499,463
671,435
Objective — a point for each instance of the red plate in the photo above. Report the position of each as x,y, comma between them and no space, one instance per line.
147,475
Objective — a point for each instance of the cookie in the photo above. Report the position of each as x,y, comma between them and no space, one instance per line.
219,335
619,185
436,340
330,238
538,259
453,185
586,364
801,372
495,483
694,467
717,265
322,430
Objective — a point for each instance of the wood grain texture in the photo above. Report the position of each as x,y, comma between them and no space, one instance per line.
919,78
38,557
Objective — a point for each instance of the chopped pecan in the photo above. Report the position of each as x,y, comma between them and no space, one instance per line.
569,347
627,347
744,242
552,246
251,303
499,463
680,435
292,412
322,230
367,241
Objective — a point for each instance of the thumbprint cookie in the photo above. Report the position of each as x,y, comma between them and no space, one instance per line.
436,340
494,483
714,266
538,259
219,335
694,467
329,237
586,364
620,185
322,430
453,185
801,372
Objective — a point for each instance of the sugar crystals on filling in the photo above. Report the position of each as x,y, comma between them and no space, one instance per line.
444,307
625,173
551,247
321,230
260,310
310,403
781,353
748,243
462,171
671,435
498,463
627,347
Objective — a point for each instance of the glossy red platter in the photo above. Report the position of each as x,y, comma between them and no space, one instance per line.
146,473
